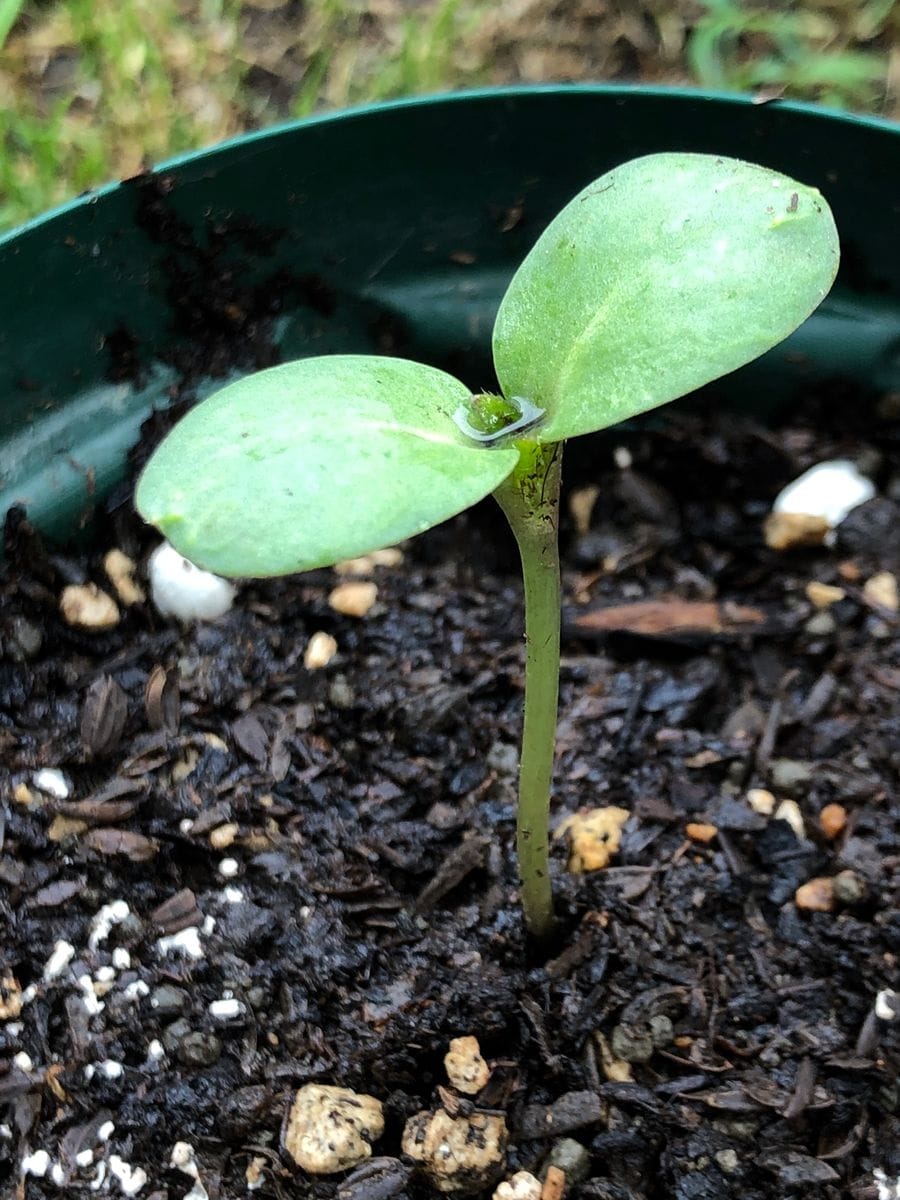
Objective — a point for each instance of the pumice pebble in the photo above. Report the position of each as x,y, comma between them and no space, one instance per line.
829,490
807,511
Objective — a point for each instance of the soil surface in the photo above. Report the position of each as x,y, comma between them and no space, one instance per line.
339,841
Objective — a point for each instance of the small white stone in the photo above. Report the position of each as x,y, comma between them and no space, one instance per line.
882,589
209,924
228,868
100,1177
182,590
226,1010
185,826
130,1179
52,782
105,974
232,895
13,1028
623,460
319,652
36,1164
156,1051
136,990
31,991
353,599
84,1158
111,1069
887,1005
121,958
57,1174
5,1133
186,943
105,1132
103,921
789,810
762,801
829,490
23,1062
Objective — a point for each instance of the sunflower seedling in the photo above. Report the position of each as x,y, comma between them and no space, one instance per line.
669,271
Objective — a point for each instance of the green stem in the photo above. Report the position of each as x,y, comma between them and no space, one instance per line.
530,499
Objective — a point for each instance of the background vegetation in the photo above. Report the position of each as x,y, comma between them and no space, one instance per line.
92,90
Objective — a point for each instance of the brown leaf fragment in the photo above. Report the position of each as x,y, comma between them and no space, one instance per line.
804,1084
252,738
51,1078
94,811
793,1170
56,893
103,716
670,616
162,700
120,841
179,912
468,856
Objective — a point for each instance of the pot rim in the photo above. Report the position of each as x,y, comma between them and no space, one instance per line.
475,95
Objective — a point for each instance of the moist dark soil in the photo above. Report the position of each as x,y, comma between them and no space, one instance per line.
340,840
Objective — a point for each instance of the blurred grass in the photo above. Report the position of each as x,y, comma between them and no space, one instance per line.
92,90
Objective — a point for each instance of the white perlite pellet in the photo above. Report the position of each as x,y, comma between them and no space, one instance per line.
61,956
887,1005
182,590
52,782
89,996
888,1189
226,1009
130,1179
186,943
36,1164
103,921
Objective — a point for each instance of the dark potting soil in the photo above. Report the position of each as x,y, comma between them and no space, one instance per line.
340,842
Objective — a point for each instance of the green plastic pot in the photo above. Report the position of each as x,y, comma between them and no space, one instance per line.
392,228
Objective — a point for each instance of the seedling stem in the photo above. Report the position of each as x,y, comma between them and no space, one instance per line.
529,497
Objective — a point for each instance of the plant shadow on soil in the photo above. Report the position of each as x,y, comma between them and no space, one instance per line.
368,809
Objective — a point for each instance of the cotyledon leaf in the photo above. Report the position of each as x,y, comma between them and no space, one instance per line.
308,463
664,274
